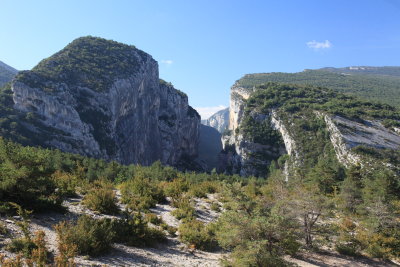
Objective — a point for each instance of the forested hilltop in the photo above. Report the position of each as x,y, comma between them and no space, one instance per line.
378,84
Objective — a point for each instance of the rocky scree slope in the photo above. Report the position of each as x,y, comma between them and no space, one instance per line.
104,99
295,126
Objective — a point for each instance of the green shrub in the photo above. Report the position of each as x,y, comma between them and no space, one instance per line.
21,245
184,209
197,234
3,229
140,193
215,207
176,188
170,229
153,218
133,231
66,183
90,236
25,177
201,190
39,254
101,198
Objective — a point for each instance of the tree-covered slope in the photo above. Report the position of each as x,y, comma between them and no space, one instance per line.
87,61
366,70
310,123
6,73
380,85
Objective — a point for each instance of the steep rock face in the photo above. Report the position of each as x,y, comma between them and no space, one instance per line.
346,134
219,121
121,112
236,105
306,134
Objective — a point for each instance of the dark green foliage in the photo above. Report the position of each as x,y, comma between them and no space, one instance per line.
184,209
24,244
296,97
350,194
26,177
260,131
153,218
92,237
21,245
88,62
140,193
198,235
176,188
257,239
101,198
133,231
202,189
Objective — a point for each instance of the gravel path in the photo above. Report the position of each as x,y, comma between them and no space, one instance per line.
173,253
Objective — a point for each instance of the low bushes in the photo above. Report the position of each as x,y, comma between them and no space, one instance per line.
197,234
101,198
153,218
93,237
89,236
140,193
202,189
184,209
133,231
176,188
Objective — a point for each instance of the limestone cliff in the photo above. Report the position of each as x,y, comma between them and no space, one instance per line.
219,120
321,125
104,99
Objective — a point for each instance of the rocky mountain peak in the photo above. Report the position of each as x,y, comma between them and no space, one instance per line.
104,99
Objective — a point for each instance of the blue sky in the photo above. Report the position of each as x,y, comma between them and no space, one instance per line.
204,46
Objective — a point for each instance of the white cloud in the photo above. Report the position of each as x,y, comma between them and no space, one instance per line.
167,62
206,112
319,45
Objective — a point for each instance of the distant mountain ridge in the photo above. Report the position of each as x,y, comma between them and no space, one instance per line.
378,84
366,70
6,73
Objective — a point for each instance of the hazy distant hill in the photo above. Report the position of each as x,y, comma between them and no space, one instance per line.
6,73
366,70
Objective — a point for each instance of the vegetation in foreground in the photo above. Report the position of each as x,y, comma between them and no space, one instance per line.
263,219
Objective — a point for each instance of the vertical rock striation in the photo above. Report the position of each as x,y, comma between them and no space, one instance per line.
104,99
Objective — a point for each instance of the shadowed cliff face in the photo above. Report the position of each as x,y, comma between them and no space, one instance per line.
113,106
